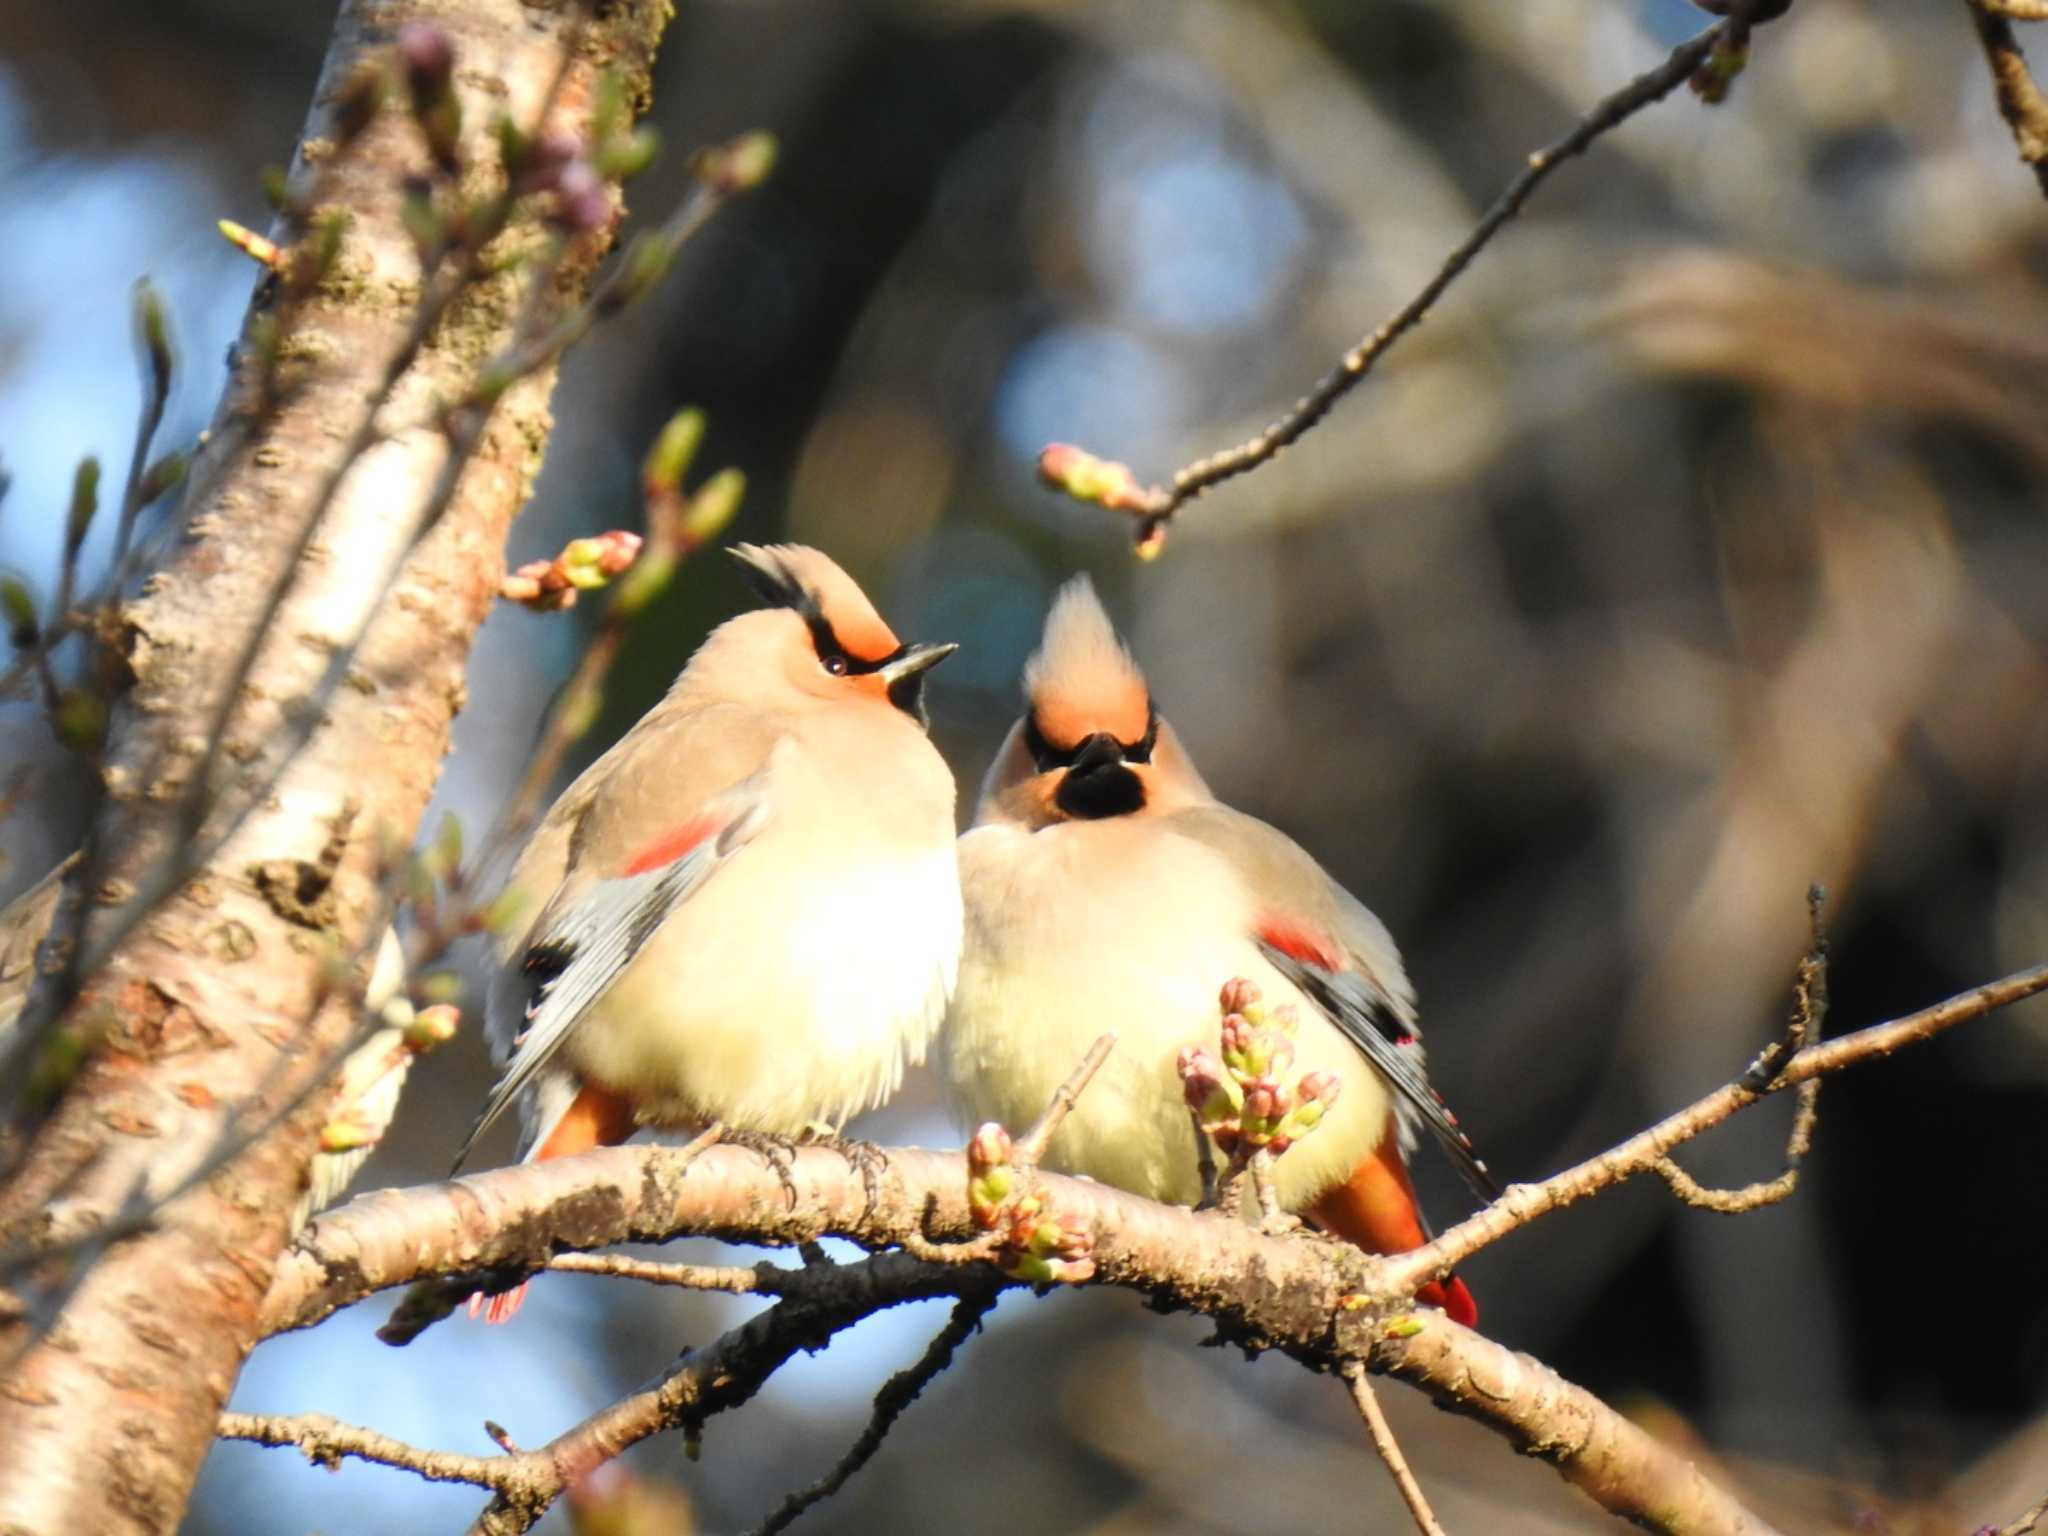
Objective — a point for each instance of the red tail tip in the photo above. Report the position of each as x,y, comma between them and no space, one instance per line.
501,1308
1453,1299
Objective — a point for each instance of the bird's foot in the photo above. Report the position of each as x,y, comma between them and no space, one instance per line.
865,1156
1280,1223
778,1152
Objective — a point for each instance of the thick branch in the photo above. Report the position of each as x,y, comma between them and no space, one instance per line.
1264,1291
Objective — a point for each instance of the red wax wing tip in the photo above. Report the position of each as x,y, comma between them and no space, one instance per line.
1301,942
671,846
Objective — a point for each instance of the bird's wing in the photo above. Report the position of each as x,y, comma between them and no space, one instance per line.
582,943
1342,959
671,764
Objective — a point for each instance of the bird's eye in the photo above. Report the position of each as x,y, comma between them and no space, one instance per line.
834,664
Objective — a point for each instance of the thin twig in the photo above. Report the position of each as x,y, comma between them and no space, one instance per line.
2020,101
2025,1524
1523,1203
326,1441
1260,1165
1809,1013
1383,1441
1205,1161
1155,507
897,1394
742,1280
1031,1146
2016,10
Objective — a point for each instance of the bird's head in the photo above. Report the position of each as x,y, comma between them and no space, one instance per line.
1090,745
818,640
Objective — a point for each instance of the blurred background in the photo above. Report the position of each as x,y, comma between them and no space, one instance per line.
1693,551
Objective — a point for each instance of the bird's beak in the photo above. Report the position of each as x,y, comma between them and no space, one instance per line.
1101,750
914,660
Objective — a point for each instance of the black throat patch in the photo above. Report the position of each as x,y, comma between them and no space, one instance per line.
1104,789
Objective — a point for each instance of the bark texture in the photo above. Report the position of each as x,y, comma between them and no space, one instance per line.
225,995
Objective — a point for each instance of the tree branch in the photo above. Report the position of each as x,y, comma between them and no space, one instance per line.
1264,1292
2020,101
897,1394
1523,1203
1383,1441
1111,484
326,1441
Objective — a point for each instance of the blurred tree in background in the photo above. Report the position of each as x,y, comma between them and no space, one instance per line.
1690,553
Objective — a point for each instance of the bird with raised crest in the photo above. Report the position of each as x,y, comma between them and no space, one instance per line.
1108,888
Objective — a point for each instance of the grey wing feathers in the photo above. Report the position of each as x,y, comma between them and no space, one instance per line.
1370,1021
574,957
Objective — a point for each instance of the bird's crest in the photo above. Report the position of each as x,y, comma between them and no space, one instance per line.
839,614
1082,680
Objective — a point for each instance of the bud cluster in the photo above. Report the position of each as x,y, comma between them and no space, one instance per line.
1083,476
583,565
1036,1242
1242,1100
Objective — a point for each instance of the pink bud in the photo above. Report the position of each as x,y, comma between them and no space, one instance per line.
990,1147
1238,995
428,55
547,157
619,549
1320,1088
1263,1100
1201,1075
581,201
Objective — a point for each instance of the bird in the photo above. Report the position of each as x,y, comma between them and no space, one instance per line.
748,910
1107,888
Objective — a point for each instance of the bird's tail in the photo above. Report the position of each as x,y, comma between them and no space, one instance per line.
1376,1209
593,1117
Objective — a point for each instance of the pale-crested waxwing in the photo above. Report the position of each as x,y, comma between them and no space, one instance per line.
748,909
1108,889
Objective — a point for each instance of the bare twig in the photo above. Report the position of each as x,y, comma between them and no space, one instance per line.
1156,506
1522,1203
1809,1012
2020,100
1205,1161
1260,1165
1032,1144
1383,1441
725,1375
897,1394
326,1441
2025,1524
758,1280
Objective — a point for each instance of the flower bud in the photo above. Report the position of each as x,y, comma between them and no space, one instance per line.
432,1026
1239,995
1083,476
345,1135
990,1147
582,201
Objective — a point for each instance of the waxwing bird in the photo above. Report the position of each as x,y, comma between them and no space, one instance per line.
1107,888
748,909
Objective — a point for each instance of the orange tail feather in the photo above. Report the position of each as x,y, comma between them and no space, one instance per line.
1376,1210
597,1117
